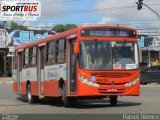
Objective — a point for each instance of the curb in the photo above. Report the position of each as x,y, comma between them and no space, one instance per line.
10,82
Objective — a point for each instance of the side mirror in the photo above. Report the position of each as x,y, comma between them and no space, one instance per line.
76,47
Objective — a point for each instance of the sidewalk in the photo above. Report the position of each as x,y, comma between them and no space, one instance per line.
5,79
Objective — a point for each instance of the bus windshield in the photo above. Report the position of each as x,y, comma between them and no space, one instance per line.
107,55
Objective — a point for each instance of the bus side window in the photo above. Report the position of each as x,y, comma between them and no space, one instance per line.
26,58
51,53
61,50
33,56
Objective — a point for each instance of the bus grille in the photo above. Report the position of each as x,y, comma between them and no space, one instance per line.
112,75
105,82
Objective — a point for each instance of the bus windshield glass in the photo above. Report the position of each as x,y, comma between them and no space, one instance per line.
107,55
96,55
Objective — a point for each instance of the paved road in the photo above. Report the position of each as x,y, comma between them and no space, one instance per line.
148,102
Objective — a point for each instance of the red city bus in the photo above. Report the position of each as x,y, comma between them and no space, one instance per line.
85,62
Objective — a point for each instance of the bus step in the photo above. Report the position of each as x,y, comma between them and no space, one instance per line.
41,96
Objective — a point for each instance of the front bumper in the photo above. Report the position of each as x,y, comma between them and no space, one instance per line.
108,90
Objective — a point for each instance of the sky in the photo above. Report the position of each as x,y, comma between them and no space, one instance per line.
95,12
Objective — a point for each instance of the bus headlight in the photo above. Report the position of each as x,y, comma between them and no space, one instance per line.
132,82
88,82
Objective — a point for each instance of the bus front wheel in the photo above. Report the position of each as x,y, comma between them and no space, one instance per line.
113,100
65,100
31,99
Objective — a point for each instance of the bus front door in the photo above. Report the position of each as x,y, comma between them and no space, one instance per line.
41,70
71,70
19,72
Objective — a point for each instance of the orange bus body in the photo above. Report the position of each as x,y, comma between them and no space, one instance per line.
46,78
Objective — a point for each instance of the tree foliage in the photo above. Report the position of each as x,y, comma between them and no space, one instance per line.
61,28
14,25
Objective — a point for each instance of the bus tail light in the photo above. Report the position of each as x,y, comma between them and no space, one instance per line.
132,82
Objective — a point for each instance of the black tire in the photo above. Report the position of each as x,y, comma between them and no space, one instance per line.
65,100
144,83
31,99
73,101
113,100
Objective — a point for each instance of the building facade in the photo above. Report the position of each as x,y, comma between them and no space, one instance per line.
11,38
149,50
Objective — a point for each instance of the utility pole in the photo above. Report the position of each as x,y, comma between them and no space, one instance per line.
140,5
156,14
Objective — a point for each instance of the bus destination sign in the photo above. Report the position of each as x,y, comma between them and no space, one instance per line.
108,32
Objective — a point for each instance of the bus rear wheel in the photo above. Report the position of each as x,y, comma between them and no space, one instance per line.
113,100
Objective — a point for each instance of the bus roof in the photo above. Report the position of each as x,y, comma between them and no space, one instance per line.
66,33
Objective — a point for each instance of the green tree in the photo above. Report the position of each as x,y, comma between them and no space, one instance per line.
58,28
14,25
62,28
70,26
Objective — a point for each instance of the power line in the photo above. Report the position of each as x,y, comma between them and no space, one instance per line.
149,28
151,22
100,23
86,10
66,1
148,22
91,10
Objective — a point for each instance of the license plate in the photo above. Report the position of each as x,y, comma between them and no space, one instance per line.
112,90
